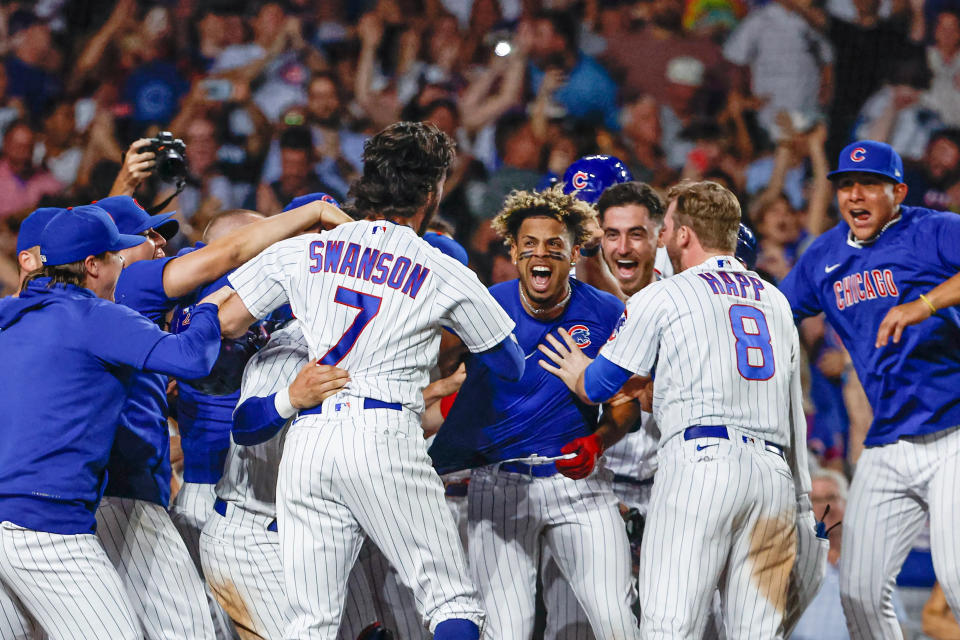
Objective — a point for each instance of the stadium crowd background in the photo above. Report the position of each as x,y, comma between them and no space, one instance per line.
275,100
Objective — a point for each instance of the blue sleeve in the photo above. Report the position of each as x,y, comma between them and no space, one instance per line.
505,360
602,379
799,289
191,354
140,287
256,420
948,240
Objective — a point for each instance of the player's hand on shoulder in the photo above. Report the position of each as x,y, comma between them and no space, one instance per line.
570,361
636,388
315,383
899,318
218,297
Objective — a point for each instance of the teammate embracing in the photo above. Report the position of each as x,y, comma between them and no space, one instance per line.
732,471
516,508
899,264
371,297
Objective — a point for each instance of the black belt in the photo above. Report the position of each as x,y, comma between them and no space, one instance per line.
646,482
220,506
457,489
368,403
720,431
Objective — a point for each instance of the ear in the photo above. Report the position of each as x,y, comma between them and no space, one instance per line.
92,265
513,252
575,255
27,262
899,193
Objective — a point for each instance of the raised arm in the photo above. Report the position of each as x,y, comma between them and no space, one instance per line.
194,269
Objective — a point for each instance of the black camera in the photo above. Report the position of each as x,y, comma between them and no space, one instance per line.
171,165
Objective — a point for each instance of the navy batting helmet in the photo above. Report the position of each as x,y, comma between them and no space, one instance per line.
746,247
590,175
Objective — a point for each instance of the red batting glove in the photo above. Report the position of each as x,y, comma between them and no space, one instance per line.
588,449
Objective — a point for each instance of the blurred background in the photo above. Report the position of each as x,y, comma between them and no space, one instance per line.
275,100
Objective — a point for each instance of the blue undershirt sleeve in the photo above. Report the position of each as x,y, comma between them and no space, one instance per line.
256,420
602,379
505,360
191,354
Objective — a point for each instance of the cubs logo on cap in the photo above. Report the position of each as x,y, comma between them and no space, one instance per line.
580,334
869,156
589,176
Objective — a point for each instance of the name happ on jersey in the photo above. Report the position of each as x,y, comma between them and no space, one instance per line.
367,264
866,285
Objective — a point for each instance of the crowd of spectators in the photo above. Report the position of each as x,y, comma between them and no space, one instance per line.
275,99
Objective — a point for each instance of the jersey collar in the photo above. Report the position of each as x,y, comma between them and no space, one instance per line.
860,244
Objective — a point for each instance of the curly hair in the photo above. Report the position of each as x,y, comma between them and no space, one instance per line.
401,168
569,210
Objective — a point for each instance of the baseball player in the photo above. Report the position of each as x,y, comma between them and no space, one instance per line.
515,507
883,268
732,454
204,421
134,526
371,297
57,431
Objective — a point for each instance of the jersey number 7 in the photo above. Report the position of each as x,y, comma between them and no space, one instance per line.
750,328
368,306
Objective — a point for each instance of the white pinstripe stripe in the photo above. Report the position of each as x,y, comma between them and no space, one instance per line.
189,511
66,583
15,622
711,515
578,521
894,488
155,568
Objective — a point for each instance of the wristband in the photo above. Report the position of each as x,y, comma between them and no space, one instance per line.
282,404
589,252
933,309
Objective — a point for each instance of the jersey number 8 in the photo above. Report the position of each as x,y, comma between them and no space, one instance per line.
754,350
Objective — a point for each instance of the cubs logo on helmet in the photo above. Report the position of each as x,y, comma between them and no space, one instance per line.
580,334
579,180
589,176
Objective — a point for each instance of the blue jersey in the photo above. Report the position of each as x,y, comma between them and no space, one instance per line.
68,360
912,386
493,419
140,461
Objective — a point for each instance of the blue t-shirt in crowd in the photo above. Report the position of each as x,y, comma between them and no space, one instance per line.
493,419
912,386
154,90
140,461
588,93
68,360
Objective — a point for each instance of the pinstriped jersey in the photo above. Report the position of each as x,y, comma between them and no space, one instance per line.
249,477
371,297
724,346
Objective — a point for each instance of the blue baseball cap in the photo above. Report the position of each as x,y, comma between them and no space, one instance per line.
588,177
447,245
32,227
73,234
868,156
134,219
299,201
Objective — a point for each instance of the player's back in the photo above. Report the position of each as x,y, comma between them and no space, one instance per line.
371,297
727,344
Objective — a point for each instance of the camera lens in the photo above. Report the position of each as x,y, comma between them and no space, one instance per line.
171,165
